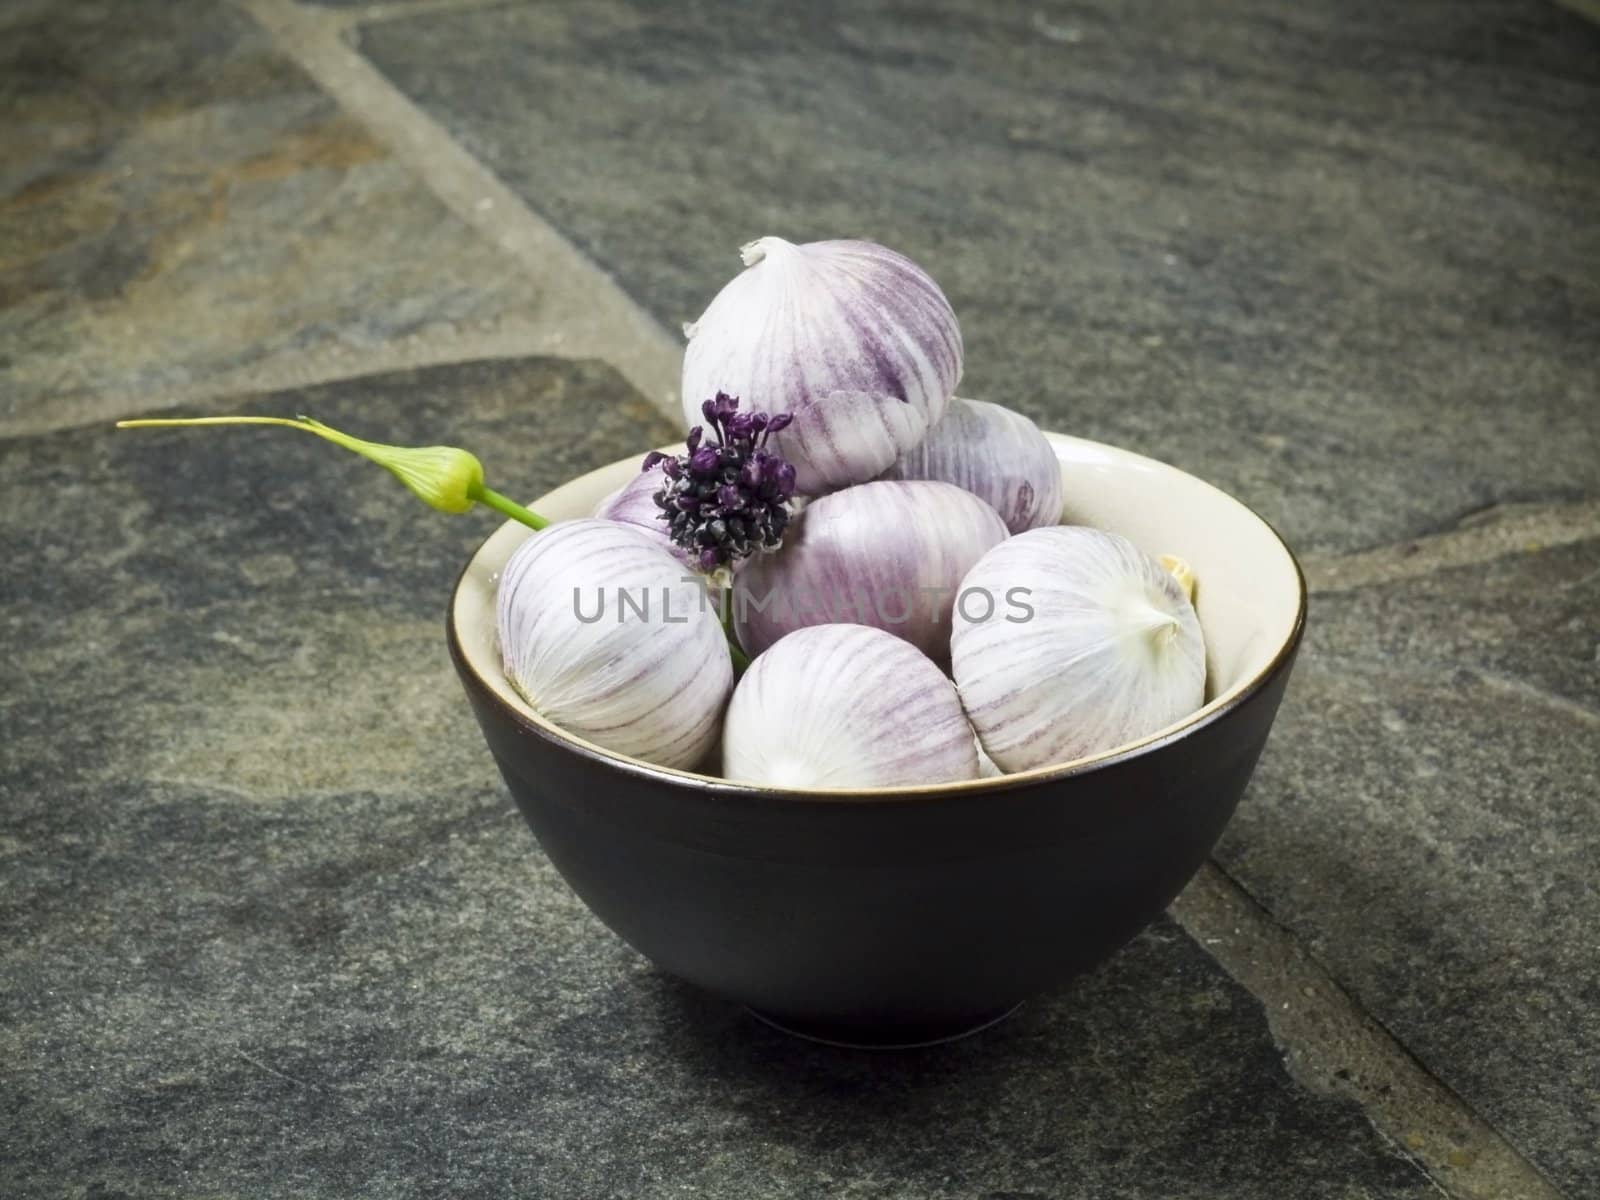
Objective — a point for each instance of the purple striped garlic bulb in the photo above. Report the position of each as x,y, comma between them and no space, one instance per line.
994,453
890,554
853,340
610,638
1070,641
845,706
634,504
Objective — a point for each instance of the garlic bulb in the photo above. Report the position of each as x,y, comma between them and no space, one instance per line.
1069,641
994,453
607,636
889,554
634,504
854,341
840,706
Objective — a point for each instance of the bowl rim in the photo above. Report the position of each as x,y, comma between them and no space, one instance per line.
531,723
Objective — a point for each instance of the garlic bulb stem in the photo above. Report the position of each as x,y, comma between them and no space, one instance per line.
1181,571
741,660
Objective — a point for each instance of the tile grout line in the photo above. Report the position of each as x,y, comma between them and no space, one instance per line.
1538,695
609,325
1583,8
1492,533
1333,1046
502,336
1499,531
378,11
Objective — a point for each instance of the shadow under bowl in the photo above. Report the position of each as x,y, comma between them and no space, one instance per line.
898,916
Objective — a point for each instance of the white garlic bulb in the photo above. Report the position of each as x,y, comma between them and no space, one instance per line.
890,554
843,706
994,453
854,340
1069,641
609,637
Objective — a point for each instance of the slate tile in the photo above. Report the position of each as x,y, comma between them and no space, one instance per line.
1338,258
183,211
1427,818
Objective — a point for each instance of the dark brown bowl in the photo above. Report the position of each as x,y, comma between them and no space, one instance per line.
906,915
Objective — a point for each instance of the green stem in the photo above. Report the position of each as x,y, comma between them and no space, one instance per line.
493,499
740,659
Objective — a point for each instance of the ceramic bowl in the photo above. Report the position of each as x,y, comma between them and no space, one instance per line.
906,915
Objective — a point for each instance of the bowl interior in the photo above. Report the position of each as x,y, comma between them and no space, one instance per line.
1249,593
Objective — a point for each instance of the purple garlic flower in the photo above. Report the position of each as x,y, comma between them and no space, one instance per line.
726,496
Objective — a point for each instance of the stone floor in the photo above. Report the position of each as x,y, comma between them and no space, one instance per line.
268,923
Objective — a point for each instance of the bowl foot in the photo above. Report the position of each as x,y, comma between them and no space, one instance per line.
890,1037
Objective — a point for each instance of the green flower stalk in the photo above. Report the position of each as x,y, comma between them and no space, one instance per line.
442,477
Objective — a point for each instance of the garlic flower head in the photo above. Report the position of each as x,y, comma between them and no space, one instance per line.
841,706
1090,644
890,554
995,453
610,638
853,340
727,496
